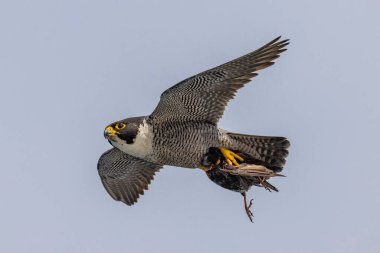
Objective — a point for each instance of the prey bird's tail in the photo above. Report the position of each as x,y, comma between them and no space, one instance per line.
270,152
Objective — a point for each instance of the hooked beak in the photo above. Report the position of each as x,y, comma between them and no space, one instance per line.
110,133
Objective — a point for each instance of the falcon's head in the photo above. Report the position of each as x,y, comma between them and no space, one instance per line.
133,136
123,132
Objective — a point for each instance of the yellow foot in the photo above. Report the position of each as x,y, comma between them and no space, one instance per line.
230,156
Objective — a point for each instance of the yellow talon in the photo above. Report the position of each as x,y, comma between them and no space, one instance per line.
230,156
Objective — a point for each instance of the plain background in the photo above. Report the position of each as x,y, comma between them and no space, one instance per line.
69,68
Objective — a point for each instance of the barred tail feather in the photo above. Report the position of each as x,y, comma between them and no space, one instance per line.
272,150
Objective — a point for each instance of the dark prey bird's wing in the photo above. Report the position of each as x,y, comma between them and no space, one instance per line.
125,177
203,97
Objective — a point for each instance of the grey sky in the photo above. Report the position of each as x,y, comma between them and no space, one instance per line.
68,68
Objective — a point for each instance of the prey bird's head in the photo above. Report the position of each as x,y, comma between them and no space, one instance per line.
123,132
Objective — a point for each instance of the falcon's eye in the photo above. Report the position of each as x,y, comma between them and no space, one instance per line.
120,126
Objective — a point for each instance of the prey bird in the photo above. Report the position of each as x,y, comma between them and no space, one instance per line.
241,178
183,127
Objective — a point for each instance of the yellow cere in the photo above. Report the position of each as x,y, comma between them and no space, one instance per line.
111,130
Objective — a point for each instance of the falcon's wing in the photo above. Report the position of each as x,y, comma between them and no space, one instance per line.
203,97
125,177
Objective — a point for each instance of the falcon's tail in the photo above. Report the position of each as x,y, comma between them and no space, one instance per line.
271,150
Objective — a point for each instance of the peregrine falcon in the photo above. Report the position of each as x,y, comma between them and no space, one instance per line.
183,128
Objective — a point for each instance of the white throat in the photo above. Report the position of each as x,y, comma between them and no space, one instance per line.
142,146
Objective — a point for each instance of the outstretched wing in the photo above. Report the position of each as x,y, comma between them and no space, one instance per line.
203,97
125,177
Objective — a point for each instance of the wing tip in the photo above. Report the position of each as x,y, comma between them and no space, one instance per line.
278,41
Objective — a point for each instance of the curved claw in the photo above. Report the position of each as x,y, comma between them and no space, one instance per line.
230,156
